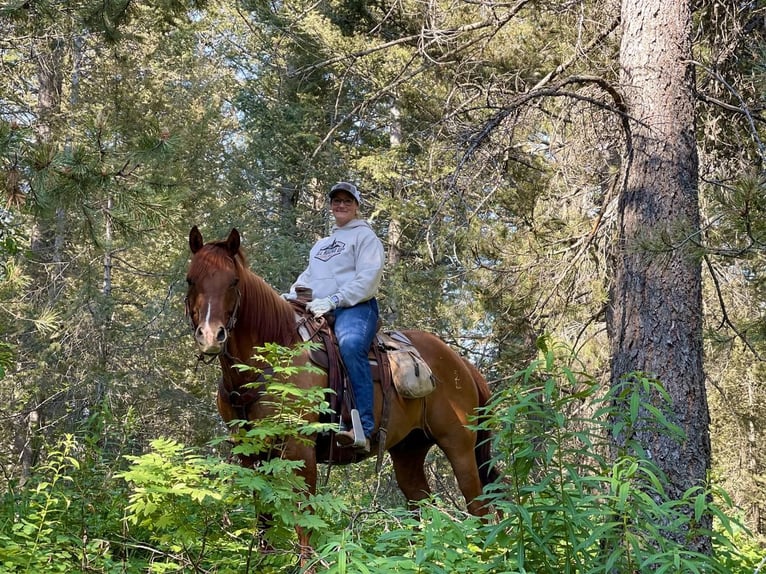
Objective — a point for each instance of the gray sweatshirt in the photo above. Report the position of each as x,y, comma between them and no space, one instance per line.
347,264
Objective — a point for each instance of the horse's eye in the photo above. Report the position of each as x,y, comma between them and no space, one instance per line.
235,282
189,282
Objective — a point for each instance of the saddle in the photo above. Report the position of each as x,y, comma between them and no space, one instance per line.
394,363
327,357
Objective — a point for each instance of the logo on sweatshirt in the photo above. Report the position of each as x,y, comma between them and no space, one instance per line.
327,253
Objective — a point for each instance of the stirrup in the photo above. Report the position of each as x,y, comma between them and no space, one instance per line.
354,438
356,423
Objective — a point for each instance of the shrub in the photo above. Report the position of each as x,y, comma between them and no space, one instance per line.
570,503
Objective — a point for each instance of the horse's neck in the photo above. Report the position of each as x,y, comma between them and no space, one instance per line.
264,317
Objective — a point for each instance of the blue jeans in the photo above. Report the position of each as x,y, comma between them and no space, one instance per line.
355,329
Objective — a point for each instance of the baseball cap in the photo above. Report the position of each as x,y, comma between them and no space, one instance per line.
348,187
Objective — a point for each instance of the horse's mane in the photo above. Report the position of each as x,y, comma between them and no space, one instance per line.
263,314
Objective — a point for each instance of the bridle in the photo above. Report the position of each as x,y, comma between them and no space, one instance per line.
208,358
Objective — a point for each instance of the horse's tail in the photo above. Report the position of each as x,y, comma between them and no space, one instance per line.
487,471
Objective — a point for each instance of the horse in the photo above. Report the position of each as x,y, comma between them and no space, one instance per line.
232,310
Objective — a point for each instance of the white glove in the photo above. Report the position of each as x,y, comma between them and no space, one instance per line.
321,306
289,296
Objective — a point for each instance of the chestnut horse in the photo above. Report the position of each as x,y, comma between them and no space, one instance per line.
232,310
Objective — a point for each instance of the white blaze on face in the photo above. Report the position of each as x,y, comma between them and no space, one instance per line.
210,337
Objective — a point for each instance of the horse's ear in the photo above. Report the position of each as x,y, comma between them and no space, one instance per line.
195,240
232,242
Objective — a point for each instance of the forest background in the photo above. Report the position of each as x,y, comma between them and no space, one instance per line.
488,147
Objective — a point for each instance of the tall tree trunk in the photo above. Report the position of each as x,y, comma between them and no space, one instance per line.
46,240
390,313
655,320
395,225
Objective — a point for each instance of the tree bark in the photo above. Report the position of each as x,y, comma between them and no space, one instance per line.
47,237
395,225
655,319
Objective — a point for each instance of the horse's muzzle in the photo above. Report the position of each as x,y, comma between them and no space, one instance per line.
211,340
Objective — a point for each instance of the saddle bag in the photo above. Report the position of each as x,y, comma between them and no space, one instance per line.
412,376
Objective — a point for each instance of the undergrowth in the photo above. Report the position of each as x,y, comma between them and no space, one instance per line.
568,502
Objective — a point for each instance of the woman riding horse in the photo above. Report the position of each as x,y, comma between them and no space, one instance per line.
232,311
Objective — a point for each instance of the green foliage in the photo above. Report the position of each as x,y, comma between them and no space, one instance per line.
209,513
67,517
573,504
34,541
199,510
503,184
293,411
565,504
6,358
433,540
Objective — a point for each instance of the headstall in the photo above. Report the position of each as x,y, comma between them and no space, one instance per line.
208,358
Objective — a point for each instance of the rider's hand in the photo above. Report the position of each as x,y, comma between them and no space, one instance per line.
321,306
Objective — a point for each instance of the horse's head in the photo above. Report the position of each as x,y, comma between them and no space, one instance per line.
213,297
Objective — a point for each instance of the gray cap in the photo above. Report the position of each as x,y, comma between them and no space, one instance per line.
348,187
